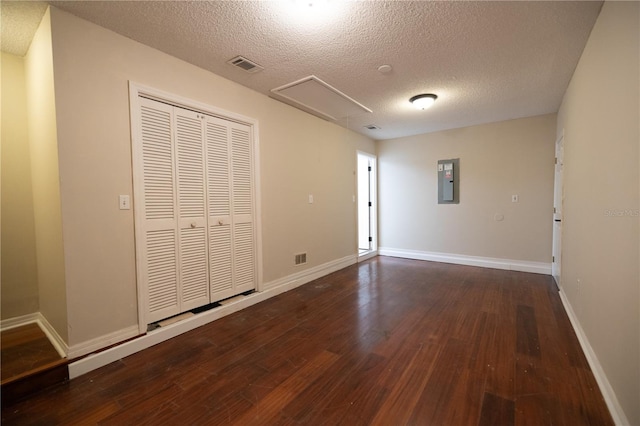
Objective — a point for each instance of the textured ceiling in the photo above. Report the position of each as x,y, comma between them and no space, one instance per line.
19,22
486,61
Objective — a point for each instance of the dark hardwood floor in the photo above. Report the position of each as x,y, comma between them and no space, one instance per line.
24,349
29,363
386,342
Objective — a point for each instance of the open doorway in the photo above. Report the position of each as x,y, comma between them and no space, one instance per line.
367,222
556,260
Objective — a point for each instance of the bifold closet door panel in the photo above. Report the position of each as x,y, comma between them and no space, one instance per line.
217,134
243,208
231,208
158,238
192,222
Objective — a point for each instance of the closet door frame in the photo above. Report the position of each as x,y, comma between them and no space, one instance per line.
137,91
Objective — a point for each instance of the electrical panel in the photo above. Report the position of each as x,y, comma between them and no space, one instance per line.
449,181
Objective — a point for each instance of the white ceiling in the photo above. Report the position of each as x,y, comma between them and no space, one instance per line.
486,61
19,22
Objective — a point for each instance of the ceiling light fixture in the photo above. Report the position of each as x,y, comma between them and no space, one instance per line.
423,101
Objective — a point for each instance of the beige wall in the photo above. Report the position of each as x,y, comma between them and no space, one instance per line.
45,179
600,118
497,161
19,274
300,155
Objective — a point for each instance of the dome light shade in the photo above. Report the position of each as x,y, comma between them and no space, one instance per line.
423,101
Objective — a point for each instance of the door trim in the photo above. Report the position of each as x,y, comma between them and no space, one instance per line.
558,198
373,212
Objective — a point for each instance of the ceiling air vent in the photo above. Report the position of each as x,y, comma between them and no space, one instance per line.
245,64
371,127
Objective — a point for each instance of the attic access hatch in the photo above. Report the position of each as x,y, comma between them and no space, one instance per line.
314,96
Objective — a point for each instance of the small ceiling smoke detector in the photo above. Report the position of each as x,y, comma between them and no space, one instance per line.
245,64
423,101
371,127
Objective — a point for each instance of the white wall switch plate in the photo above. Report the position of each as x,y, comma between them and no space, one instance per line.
125,202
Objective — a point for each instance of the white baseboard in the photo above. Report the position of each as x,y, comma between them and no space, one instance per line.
368,255
98,343
161,334
9,323
459,259
609,395
311,274
54,337
58,342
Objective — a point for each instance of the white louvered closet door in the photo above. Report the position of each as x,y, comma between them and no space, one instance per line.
231,227
192,220
244,257
196,241
219,191
158,242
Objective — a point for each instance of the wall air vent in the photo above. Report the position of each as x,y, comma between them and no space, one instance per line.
245,64
371,127
300,258
316,97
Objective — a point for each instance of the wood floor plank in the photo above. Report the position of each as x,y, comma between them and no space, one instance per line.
350,404
539,409
592,401
470,389
527,340
501,356
386,341
384,385
274,403
217,411
147,409
25,349
436,397
320,391
497,411
94,416
403,397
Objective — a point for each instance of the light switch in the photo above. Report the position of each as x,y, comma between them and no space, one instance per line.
125,202
310,199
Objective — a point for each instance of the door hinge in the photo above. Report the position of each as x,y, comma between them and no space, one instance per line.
555,160
553,259
370,239
370,204
554,209
369,168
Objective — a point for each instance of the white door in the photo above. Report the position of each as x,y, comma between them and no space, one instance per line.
156,209
557,212
193,280
231,208
220,241
242,208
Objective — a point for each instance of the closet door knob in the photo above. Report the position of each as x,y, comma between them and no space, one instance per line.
220,223
193,224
